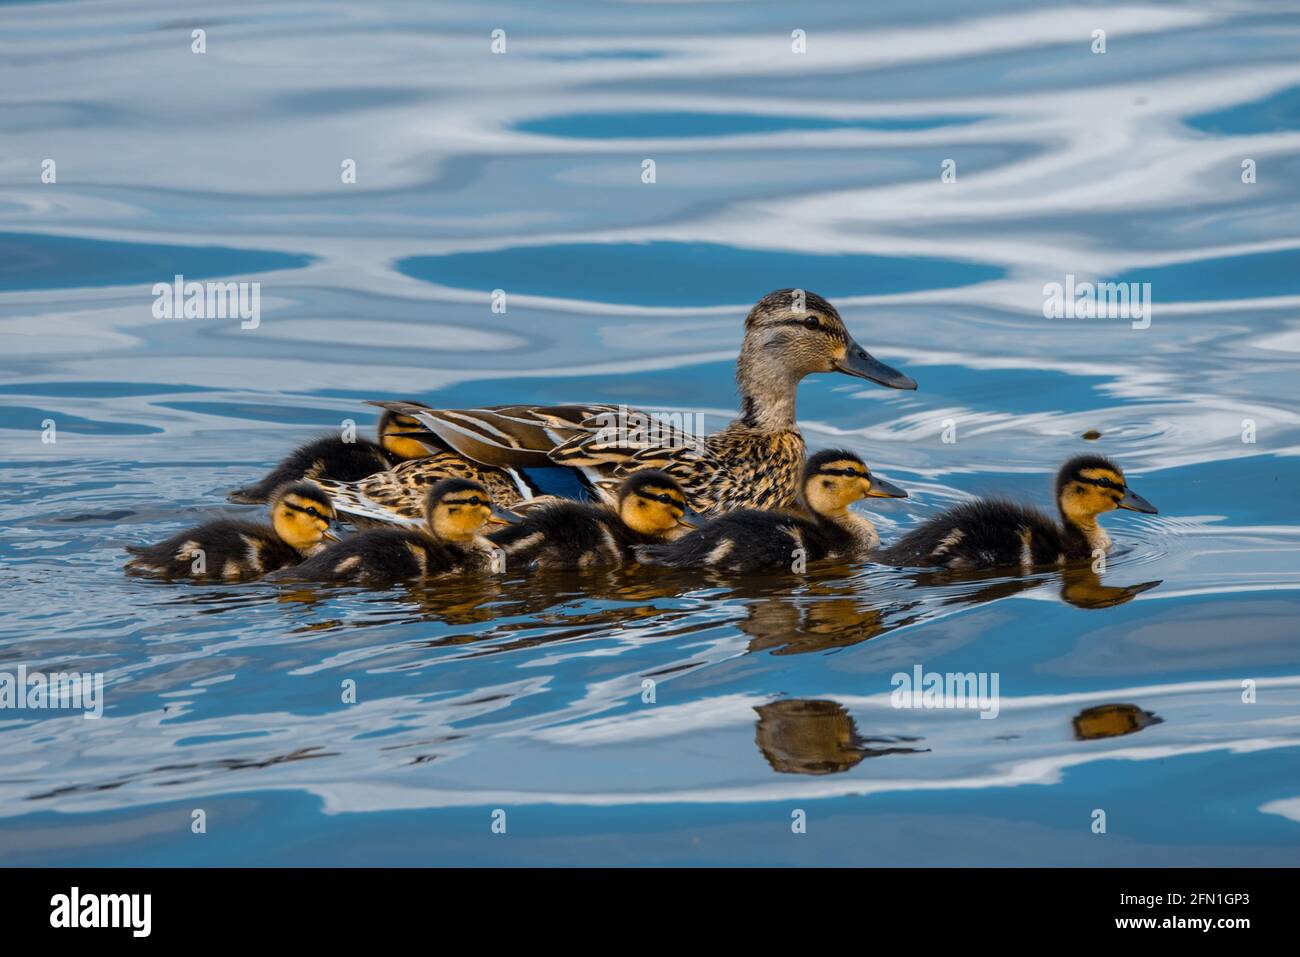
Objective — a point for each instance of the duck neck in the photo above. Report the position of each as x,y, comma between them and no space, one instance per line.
856,525
1083,535
767,390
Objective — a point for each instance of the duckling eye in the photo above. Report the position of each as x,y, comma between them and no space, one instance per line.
1105,483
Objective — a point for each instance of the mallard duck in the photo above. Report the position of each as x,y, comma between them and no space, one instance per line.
748,540
332,458
451,541
994,533
754,462
651,507
233,550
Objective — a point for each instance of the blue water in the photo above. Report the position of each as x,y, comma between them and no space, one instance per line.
523,172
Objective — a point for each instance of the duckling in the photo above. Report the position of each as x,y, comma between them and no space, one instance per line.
995,533
233,550
330,457
754,462
451,541
748,540
651,508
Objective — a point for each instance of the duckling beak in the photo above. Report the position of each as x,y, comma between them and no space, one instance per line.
330,536
882,489
1135,502
500,516
690,520
859,362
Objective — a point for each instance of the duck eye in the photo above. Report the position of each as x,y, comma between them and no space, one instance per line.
811,323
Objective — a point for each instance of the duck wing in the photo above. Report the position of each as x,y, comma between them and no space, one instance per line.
398,496
505,436
608,451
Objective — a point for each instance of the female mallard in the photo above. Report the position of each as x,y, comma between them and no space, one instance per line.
334,458
747,540
993,533
232,550
650,508
451,541
754,462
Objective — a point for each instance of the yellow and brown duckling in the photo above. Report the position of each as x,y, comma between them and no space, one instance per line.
651,508
456,511
747,540
994,533
235,550
754,462
332,458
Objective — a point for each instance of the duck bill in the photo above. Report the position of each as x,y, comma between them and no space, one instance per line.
882,489
330,536
690,520
859,362
499,516
1136,503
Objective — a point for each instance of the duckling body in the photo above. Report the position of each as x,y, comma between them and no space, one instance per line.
755,462
582,535
996,533
988,534
384,555
748,540
333,459
455,510
234,550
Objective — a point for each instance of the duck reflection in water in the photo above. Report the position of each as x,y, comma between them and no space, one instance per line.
1112,721
815,736
1080,586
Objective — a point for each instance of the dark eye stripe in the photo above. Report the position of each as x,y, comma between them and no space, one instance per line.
465,501
848,472
664,498
836,334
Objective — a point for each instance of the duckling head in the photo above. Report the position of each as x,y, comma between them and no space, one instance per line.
301,513
1088,485
458,509
792,333
834,479
391,426
651,502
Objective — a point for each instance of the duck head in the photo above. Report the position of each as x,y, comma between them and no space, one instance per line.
301,513
652,503
395,435
792,333
1088,485
457,510
835,478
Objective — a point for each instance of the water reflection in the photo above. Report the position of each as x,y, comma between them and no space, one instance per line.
813,736
833,607
1079,586
1112,721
